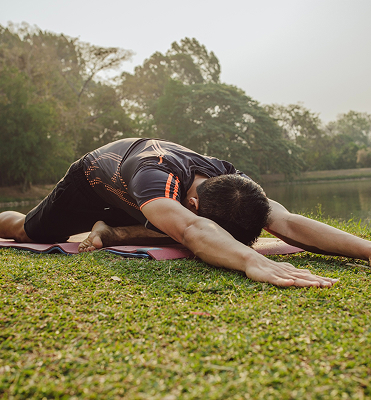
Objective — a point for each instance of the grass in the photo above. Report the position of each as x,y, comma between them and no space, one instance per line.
180,330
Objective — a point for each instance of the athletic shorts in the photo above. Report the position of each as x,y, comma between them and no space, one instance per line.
71,208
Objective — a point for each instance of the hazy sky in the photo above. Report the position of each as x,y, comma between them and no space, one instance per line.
278,51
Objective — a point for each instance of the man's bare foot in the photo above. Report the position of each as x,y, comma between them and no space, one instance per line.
99,236
103,235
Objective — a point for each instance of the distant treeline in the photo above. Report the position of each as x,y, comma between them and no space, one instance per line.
56,104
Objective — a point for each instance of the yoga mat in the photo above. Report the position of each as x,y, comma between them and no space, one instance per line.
265,246
274,246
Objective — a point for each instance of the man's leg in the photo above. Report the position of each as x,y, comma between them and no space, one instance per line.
12,226
71,208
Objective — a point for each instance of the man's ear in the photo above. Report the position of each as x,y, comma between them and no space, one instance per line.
193,204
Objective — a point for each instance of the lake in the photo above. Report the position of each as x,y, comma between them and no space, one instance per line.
338,199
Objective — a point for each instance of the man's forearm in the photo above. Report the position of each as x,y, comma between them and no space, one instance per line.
320,238
215,246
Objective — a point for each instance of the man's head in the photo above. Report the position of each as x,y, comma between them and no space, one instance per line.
237,204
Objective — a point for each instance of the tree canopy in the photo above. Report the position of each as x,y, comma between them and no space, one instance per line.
59,74
340,144
220,120
178,96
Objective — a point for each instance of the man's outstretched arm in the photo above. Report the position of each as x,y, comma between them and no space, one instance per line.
215,246
315,236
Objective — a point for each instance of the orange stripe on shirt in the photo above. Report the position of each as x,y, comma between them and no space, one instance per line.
167,187
176,188
156,198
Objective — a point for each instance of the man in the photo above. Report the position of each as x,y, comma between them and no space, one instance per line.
147,190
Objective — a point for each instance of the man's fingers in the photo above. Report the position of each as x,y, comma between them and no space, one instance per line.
283,282
287,275
286,282
306,282
306,274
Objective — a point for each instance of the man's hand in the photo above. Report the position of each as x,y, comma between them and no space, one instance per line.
284,274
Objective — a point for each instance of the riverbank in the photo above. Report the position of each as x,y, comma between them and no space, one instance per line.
317,176
12,196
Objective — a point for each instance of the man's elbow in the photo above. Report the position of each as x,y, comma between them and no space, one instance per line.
195,233
188,235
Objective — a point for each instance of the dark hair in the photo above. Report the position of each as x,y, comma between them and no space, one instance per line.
237,204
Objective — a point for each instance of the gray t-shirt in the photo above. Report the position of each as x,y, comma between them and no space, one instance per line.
130,173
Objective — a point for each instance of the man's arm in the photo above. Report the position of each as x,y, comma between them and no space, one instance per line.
313,235
215,246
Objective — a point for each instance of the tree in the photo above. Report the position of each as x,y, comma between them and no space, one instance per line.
27,139
220,120
178,96
107,121
298,123
364,158
64,75
355,125
188,62
331,147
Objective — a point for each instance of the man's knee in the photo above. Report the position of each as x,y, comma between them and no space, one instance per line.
20,233
12,226
22,236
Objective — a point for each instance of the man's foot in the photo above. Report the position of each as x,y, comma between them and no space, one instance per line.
101,235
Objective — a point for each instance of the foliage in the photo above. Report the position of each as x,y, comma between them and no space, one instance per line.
180,329
178,96
334,146
27,136
188,62
338,152
63,73
355,130
298,123
220,120
355,125
364,158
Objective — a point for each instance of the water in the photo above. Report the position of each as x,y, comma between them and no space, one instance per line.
340,199
25,208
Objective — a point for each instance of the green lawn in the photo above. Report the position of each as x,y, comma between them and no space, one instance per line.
180,330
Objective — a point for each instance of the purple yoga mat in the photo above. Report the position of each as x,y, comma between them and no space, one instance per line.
265,246
169,252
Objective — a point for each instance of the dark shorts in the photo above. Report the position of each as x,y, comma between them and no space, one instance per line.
72,207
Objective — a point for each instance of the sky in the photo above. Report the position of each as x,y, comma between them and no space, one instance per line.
317,52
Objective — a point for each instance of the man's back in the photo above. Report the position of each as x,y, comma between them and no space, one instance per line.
131,172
